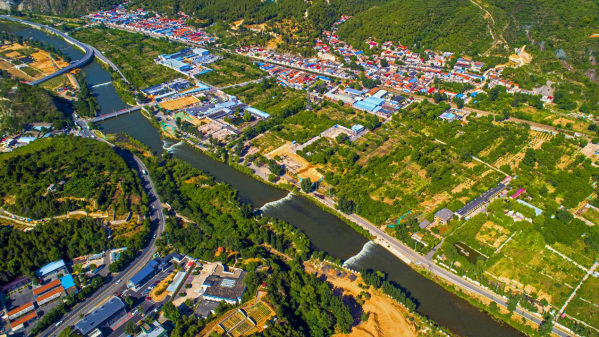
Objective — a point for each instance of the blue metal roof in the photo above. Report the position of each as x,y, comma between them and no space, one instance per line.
67,281
50,267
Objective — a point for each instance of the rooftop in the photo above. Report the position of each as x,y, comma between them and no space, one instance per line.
100,315
444,214
50,268
46,287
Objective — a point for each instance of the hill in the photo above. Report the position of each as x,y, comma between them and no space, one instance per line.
54,175
450,25
22,103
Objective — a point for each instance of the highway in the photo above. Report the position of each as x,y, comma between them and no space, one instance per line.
89,52
119,281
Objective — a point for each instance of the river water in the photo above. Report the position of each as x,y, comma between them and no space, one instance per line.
326,232
106,96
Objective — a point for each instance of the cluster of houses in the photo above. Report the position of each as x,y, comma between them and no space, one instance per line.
34,131
325,67
293,78
141,21
395,66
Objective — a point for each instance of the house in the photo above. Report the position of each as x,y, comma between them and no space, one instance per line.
443,216
424,224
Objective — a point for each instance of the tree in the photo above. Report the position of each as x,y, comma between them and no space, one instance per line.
512,302
131,328
306,185
546,327
171,312
247,116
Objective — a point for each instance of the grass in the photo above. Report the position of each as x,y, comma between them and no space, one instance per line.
30,71
56,82
529,266
133,53
585,306
233,69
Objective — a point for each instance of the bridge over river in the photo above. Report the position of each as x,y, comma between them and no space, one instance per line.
115,114
89,52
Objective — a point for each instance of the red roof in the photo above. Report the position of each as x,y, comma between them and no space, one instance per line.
44,288
50,294
23,319
19,309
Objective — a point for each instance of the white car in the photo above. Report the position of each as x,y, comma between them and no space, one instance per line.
59,323
119,281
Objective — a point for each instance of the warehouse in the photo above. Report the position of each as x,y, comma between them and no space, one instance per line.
143,275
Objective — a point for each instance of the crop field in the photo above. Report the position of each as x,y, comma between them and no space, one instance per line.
529,266
492,235
233,320
244,329
585,305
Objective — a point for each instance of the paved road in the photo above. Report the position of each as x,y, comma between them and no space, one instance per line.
119,281
89,52
426,262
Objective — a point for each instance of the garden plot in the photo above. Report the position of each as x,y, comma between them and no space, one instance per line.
492,235
591,214
585,305
232,321
527,265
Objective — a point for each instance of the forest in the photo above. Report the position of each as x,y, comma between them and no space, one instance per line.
22,104
54,175
304,303
446,25
21,252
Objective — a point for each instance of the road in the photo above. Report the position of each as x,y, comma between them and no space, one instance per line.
89,52
409,256
118,282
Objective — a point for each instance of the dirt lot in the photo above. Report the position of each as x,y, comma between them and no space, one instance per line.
387,319
295,164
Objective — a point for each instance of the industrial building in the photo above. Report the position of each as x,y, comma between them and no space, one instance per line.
52,268
104,316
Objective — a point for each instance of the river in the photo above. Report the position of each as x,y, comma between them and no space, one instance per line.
106,95
326,232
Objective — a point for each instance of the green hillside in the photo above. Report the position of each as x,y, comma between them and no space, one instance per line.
451,25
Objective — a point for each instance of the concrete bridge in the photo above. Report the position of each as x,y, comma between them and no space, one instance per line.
115,114
89,52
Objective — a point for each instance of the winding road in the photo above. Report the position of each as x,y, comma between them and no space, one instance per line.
118,282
